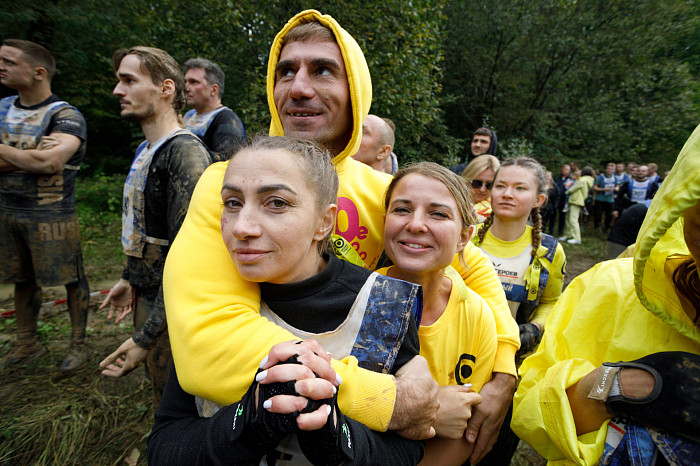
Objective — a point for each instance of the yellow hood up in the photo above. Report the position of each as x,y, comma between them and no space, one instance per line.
355,66
661,238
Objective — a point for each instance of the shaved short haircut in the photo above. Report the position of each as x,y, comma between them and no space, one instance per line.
483,131
387,133
35,54
311,30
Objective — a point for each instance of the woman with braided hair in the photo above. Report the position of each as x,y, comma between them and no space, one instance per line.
529,263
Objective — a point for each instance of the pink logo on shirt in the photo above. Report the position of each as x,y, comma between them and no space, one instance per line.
353,228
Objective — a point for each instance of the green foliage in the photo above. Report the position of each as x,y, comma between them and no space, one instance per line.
404,55
588,80
47,330
100,194
401,44
99,204
7,324
516,147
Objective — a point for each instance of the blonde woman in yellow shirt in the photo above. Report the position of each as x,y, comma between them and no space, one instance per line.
429,219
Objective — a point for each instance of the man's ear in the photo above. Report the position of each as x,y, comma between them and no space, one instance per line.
384,152
326,223
168,87
40,73
214,90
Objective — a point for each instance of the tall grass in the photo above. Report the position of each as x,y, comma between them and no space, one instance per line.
99,204
48,418
72,421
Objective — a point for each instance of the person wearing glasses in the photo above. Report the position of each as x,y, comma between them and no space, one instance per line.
480,173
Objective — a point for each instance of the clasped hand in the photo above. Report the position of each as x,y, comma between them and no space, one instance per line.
315,379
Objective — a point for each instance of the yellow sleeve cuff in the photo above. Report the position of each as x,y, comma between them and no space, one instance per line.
505,358
368,397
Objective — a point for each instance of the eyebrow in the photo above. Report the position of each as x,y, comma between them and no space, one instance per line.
126,75
315,62
432,204
262,189
514,183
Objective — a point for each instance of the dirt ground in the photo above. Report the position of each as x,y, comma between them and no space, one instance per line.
577,267
85,418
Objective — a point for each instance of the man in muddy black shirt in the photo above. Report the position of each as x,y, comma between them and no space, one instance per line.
157,192
42,146
216,125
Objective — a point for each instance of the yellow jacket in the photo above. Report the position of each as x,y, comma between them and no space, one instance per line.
618,311
217,335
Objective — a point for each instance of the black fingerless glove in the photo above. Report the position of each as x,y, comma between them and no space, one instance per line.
256,424
332,444
530,337
674,403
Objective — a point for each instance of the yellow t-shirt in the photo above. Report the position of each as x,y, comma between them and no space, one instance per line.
460,346
511,259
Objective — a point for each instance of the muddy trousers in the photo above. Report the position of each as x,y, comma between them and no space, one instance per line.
158,360
28,299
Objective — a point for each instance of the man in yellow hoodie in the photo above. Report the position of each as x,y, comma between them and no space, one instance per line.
318,87
644,310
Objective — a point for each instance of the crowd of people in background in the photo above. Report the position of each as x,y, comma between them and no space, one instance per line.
599,198
434,289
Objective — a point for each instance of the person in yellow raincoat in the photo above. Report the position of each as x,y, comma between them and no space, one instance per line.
623,310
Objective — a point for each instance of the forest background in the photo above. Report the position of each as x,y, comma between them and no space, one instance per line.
562,80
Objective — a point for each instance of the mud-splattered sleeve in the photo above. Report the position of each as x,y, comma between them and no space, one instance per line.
188,158
225,135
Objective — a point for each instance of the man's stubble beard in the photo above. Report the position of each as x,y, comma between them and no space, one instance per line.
148,114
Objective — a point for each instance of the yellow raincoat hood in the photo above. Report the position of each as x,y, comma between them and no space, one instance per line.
355,66
661,238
